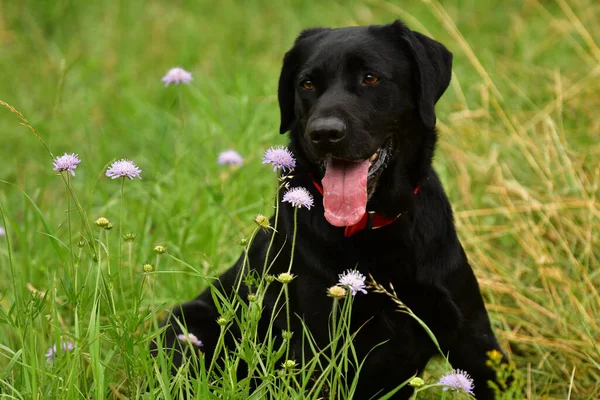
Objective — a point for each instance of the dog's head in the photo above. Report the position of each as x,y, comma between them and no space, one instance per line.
361,100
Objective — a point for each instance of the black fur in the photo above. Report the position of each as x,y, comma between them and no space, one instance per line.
420,253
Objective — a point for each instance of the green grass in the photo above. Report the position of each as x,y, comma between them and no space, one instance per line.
518,155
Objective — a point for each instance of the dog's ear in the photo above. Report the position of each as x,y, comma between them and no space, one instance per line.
286,92
433,64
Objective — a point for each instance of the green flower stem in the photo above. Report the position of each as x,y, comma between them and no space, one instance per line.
109,280
217,350
71,255
121,233
130,265
287,317
293,239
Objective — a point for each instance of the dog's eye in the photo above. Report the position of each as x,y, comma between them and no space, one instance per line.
307,84
370,79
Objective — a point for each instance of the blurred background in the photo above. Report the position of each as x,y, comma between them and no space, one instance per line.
518,151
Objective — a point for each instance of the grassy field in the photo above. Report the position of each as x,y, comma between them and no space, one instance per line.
518,154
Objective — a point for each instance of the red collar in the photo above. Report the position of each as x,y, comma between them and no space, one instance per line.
370,220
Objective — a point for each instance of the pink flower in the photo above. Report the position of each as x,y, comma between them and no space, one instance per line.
123,169
279,157
230,157
190,338
298,197
65,346
457,379
177,75
66,162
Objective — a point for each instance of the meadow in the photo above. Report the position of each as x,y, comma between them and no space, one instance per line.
518,154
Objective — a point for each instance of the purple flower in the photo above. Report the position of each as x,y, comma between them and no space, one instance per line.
279,157
65,346
123,169
298,197
66,162
457,380
353,280
177,75
190,338
230,157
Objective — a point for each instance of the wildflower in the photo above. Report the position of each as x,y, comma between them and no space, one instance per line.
103,222
495,355
337,292
190,338
298,197
148,268
222,321
252,298
416,382
285,277
243,242
457,379
279,157
177,75
2,231
129,237
262,221
353,280
66,162
160,249
65,346
123,169
109,226
287,335
269,278
289,364
230,157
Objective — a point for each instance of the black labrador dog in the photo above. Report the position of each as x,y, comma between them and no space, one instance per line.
359,105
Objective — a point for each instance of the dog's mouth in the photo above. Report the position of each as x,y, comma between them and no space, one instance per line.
348,185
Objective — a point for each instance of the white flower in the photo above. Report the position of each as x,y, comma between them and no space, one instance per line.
353,280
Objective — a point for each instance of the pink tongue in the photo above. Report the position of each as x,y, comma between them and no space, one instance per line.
345,191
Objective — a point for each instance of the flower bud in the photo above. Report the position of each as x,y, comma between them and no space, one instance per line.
262,221
160,249
102,222
337,292
148,268
416,382
129,237
285,277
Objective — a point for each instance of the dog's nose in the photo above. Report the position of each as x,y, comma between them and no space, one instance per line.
327,130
